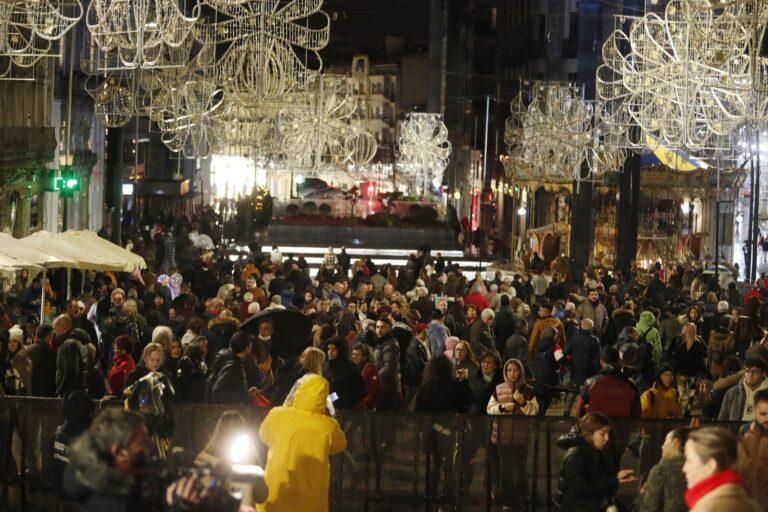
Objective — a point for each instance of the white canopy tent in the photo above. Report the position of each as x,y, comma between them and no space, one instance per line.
81,250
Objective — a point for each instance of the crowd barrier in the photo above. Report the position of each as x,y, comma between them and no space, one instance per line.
393,461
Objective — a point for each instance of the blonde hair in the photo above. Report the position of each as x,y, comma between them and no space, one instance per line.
716,443
689,333
130,308
152,347
312,359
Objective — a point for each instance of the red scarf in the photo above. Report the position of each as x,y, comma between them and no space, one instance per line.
701,489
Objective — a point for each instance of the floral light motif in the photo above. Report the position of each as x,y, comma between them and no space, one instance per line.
425,150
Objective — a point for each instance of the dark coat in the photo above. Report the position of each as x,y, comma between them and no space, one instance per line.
72,363
584,349
43,378
503,326
481,392
344,378
229,384
544,364
191,376
587,480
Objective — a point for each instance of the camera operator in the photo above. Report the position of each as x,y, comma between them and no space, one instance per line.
109,462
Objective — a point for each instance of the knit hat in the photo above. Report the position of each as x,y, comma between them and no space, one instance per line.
116,291
419,327
16,333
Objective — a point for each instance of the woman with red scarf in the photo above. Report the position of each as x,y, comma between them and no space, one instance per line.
713,485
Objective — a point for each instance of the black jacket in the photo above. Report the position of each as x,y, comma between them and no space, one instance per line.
503,326
584,349
481,392
43,378
544,364
229,383
72,363
345,380
587,480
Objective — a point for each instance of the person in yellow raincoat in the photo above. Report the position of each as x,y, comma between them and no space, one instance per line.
301,437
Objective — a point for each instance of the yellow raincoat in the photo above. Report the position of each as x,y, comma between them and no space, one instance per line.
301,437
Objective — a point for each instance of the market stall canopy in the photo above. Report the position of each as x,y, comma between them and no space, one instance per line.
14,248
82,252
90,241
11,264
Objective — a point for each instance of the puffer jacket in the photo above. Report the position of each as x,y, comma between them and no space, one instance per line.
587,480
721,345
503,394
755,468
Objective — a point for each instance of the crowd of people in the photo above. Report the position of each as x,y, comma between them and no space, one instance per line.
425,337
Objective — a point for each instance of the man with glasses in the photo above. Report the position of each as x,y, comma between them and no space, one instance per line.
739,401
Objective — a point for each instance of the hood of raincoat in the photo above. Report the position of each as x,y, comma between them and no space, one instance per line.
310,394
647,320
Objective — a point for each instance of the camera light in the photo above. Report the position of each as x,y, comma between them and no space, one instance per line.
240,448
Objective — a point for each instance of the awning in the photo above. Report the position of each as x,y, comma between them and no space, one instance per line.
15,248
90,241
73,254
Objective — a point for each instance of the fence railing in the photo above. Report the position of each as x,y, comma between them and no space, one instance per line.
394,461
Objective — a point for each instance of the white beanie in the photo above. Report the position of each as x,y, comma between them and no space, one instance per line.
16,333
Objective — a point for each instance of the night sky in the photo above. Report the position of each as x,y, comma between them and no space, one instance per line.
361,25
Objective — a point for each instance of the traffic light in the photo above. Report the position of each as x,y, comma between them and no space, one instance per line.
65,184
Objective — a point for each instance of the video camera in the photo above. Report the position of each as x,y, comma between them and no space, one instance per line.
220,480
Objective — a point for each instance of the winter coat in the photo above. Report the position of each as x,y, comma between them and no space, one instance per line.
671,327
437,333
450,397
190,380
482,391
646,328
481,338
727,497
721,345
388,361
755,467
504,394
587,480
621,318
665,488
595,312
661,404
229,383
540,326
344,379
72,363
43,377
118,374
516,347
301,437
544,363
417,358
373,388
504,324
690,362
20,360
735,401
611,393
584,349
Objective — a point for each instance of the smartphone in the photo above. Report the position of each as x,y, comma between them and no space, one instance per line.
333,396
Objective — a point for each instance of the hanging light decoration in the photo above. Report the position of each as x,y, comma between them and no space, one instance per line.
425,150
138,32
315,130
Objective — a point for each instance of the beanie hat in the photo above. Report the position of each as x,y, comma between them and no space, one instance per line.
16,333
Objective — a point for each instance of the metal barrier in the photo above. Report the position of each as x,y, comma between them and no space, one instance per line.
394,461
